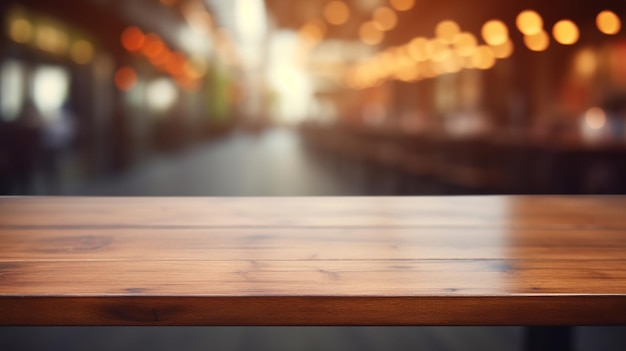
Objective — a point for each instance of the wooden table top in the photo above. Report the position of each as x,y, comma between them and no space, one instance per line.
313,261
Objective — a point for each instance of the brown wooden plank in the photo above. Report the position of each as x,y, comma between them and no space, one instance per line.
313,310
505,212
309,244
314,278
178,261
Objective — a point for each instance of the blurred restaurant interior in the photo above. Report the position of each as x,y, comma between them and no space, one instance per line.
393,97
310,97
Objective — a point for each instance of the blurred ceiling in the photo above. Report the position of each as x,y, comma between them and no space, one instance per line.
422,18
107,18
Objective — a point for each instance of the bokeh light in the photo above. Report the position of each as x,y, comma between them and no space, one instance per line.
50,89
133,39
565,32
483,58
369,34
52,40
402,5
585,63
537,42
418,49
175,64
153,46
20,30
384,18
451,64
125,78
161,59
495,32
437,50
313,31
337,12
608,22
465,44
447,31
161,94
503,51
529,22
82,52
595,118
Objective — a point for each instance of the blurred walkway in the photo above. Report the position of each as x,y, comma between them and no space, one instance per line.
272,163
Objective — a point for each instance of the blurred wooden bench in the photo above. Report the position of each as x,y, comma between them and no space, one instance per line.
313,261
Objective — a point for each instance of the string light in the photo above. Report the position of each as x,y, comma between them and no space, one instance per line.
565,32
495,32
402,5
336,12
385,18
370,34
608,22
447,31
537,42
529,22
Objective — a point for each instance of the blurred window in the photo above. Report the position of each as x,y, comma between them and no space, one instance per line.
11,90
50,89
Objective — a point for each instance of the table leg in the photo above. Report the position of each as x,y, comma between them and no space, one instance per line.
548,338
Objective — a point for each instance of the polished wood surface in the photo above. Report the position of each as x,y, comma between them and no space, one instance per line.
313,261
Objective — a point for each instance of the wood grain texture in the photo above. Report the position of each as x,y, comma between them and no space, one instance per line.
313,261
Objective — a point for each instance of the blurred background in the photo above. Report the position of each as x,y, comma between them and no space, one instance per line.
312,97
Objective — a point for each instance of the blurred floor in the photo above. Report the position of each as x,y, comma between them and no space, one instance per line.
262,338
270,163
292,338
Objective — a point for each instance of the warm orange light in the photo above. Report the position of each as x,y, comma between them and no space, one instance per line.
188,84
503,50
447,31
168,2
160,60
438,50
451,64
495,32
52,40
153,46
529,22
468,62
175,64
385,18
82,52
133,39
418,49
125,78
408,73
608,22
337,12
402,5
585,63
350,79
199,64
312,31
537,42
483,58
20,30
386,62
191,71
427,69
465,44
369,34
595,118
565,32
